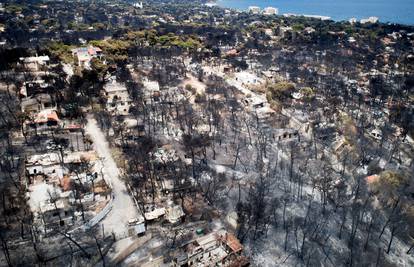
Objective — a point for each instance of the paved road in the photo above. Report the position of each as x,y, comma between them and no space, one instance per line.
123,208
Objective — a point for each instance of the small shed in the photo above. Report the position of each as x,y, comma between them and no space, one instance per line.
231,219
139,228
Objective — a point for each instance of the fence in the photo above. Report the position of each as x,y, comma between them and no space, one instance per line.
99,216
92,222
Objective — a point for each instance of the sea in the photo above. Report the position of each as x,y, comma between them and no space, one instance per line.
388,11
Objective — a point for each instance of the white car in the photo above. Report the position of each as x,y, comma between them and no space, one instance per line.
134,221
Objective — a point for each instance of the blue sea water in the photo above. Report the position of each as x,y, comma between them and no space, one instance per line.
394,11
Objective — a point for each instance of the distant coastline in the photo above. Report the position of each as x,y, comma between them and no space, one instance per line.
396,11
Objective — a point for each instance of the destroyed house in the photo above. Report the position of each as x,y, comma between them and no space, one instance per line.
57,214
36,103
44,120
118,100
35,63
32,88
283,135
51,207
174,214
215,249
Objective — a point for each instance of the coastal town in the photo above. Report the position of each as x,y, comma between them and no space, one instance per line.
181,133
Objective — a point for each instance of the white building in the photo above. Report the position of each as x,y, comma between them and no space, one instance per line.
154,214
309,30
370,20
248,79
152,90
351,39
138,5
84,55
51,164
270,11
299,121
118,100
35,63
45,164
269,32
317,17
352,20
218,248
254,9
